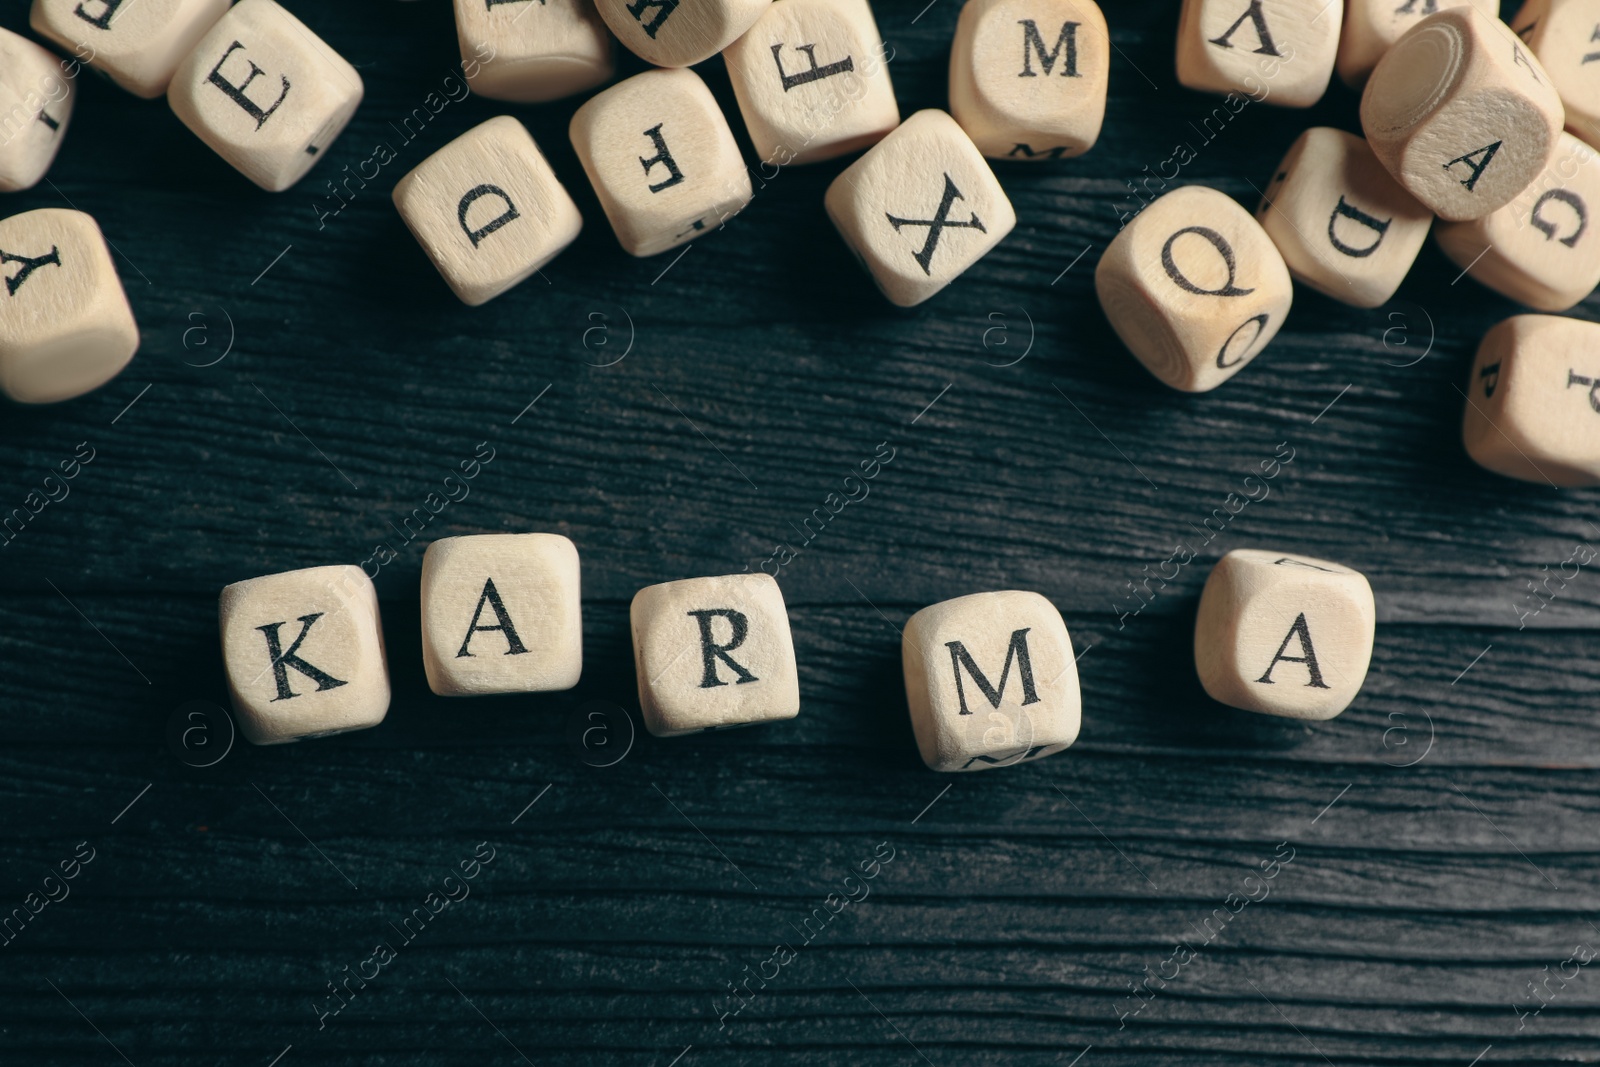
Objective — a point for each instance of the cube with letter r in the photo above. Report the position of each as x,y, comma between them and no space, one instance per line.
991,680
713,653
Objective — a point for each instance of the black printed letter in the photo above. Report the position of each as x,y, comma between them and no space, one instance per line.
1309,658
102,20
1487,152
1033,44
1018,650
1218,242
710,651
1548,228
493,224
1355,214
282,660
816,73
664,9
491,596
236,92
664,157
14,281
1263,35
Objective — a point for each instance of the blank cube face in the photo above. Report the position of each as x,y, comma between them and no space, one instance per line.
304,654
65,323
920,208
812,81
991,680
661,158
679,33
1371,27
1343,225
1194,287
1461,113
1565,35
265,93
530,51
36,98
138,43
713,653
1533,401
487,209
1028,78
1283,49
1543,248
1284,634
501,614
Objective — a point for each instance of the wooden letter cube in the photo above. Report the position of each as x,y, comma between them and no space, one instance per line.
713,653
920,207
304,654
991,680
1277,51
812,81
65,323
1028,78
1543,248
530,51
139,44
1284,634
1371,27
501,614
1461,113
36,98
1565,35
1533,401
1345,227
488,209
661,158
679,33
1194,287
265,93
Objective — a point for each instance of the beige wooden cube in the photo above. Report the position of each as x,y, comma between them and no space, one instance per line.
303,651
1284,634
487,209
920,208
501,614
138,43
1565,35
1533,401
1371,27
713,653
1276,51
1344,226
36,97
1461,113
679,33
991,680
812,81
265,93
65,323
530,51
1543,248
1194,287
661,158
1028,78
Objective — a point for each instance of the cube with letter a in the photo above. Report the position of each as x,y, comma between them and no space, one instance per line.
991,680
304,654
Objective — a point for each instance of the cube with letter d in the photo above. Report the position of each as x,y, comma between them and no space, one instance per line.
991,680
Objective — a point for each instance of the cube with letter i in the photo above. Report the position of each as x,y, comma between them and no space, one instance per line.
679,33
1565,35
265,93
713,653
1276,51
530,51
137,43
501,614
661,158
1284,634
1028,78
36,98
304,654
1371,27
991,680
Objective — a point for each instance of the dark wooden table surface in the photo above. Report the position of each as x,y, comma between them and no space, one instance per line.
690,414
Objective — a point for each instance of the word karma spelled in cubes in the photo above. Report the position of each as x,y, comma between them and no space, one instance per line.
920,207
1371,27
991,680
812,81
138,43
1194,287
661,158
487,209
530,51
265,93
36,98
1028,78
65,323
1461,113
1533,401
501,614
1276,51
1565,35
304,654
1283,634
1344,226
679,33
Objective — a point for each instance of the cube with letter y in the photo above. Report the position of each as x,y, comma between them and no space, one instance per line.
1277,51
991,680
